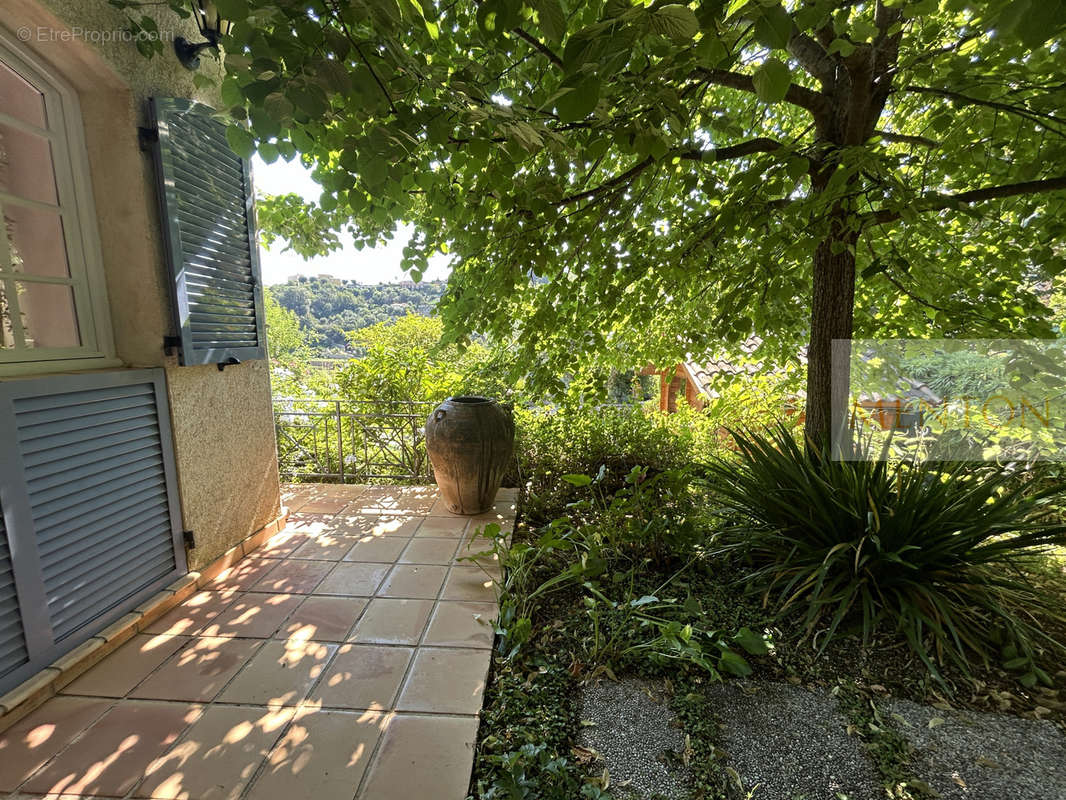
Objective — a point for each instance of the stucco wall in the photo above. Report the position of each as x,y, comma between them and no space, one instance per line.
222,421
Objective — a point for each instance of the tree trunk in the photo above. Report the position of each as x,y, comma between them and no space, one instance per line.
832,318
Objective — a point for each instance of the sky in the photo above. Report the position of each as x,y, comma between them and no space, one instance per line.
371,265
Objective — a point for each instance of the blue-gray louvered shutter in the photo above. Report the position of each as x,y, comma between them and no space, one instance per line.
90,499
208,215
13,652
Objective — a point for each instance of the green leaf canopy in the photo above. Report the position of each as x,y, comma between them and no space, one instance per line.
637,182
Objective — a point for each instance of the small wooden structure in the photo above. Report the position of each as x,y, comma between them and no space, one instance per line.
692,380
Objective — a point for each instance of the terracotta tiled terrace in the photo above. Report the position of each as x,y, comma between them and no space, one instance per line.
345,658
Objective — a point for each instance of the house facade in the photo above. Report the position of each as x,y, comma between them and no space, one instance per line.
136,433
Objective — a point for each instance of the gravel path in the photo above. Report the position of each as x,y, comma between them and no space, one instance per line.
790,743
983,756
634,731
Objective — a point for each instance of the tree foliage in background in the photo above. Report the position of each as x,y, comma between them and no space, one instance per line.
287,342
330,308
642,181
403,361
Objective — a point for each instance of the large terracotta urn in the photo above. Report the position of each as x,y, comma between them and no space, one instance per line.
470,441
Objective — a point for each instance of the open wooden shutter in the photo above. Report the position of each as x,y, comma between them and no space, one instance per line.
91,519
205,193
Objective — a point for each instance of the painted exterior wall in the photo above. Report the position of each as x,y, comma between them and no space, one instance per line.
222,421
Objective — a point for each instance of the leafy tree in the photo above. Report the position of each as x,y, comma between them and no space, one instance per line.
404,361
289,348
287,344
646,180
329,309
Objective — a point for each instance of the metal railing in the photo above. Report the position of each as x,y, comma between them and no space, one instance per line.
352,441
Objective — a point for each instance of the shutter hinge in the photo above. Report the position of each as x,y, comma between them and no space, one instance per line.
171,345
229,362
190,539
146,137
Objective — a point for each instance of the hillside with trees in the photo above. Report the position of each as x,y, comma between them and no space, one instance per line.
328,307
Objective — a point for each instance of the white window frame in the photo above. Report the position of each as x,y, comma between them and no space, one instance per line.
74,188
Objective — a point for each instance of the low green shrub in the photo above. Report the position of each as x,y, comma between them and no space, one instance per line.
621,555
575,437
933,551
530,715
572,439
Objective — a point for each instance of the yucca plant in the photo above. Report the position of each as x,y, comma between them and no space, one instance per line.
934,551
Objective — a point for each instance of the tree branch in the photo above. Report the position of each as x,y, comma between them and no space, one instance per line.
336,14
903,138
938,202
611,183
797,95
538,45
761,144
1020,111
812,57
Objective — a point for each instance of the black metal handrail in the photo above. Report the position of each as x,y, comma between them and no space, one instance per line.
352,441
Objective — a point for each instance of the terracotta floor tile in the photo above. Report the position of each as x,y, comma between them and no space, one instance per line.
349,491
325,547
445,681
294,577
429,551
353,579
440,509
280,545
191,616
363,676
443,527
384,549
308,524
376,525
323,755
392,499
198,672
242,575
109,759
393,621
482,528
217,756
31,741
296,500
423,757
507,494
459,624
469,583
280,674
322,619
254,615
324,505
413,580
477,551
503,510
130,664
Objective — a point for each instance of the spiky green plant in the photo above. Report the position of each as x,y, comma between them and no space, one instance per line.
934,551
